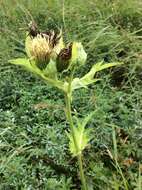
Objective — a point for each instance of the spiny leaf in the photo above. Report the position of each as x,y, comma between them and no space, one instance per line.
89,77
31,66
85,120
82,135
82,83
98,67
28,64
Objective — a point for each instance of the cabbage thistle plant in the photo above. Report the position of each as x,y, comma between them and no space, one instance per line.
56,63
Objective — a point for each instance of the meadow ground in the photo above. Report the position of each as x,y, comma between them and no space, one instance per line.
33,143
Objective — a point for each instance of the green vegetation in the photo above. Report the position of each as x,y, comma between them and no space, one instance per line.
33,142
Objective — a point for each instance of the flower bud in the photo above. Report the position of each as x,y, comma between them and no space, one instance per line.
72,56
79,55
63,59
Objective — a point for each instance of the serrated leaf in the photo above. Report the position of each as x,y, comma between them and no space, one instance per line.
31,66
27,63
89,77
97,67
82,135
85,120
82,83
22,62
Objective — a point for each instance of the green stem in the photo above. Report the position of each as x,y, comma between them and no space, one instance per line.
68,97
82,176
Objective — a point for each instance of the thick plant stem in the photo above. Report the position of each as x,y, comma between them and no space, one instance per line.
79,156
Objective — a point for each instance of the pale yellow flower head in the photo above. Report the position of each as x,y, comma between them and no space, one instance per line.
41,48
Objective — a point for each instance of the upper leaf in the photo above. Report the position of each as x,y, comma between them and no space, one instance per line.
49,74
89,78
97,67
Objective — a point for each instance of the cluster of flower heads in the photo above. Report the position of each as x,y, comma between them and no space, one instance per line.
43,47
48,56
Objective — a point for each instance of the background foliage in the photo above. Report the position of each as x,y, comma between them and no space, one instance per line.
33,144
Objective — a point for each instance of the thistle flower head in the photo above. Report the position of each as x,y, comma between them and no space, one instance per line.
43,46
